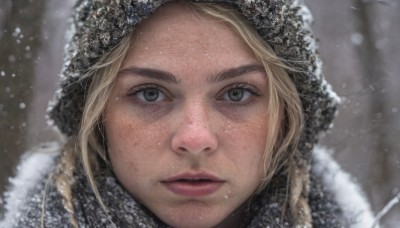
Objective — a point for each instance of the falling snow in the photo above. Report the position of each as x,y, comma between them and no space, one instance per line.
22,105
357,38
11,59
16,32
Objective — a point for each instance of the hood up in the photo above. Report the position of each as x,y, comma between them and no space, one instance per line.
99,25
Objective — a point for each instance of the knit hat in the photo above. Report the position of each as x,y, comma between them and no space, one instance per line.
99,25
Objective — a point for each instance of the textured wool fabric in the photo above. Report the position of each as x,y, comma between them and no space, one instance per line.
99,25
334,198
265,210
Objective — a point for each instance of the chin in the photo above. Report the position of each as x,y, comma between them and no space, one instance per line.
193,218
203,222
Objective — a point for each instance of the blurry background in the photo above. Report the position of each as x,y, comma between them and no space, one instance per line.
360,45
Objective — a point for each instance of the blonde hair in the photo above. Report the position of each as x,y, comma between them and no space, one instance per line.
284,107
90,140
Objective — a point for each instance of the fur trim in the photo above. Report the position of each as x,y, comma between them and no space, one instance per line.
346,191
33,167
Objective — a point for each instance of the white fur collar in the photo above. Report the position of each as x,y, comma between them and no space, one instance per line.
346,191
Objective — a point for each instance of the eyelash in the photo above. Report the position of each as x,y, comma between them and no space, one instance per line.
241,85
141,88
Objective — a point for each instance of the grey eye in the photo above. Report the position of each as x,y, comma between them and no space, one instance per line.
237,94
150,95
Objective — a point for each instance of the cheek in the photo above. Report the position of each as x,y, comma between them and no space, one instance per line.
121,136
247,143
248,134
133,144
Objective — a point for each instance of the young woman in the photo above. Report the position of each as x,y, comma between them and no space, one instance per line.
189,114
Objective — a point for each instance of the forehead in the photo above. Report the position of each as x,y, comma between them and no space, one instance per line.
181,34
176,20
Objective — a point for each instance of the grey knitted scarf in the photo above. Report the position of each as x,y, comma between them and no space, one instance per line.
264,210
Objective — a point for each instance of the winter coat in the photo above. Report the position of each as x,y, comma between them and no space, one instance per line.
335,200
97,27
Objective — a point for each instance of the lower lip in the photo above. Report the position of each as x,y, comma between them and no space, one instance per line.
193,189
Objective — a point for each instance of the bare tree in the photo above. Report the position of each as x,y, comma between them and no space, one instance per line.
374,79
19,44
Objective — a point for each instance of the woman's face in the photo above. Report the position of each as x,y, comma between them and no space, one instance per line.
186,121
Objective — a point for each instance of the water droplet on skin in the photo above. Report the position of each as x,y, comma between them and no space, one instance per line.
226,196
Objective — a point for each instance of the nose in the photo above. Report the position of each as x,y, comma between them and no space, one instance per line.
194,134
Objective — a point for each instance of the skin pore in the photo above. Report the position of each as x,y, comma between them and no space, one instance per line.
186,120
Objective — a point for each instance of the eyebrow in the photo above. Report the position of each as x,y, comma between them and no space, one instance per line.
236,72
150,73
170,78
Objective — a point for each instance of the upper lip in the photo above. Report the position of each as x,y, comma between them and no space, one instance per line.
193,176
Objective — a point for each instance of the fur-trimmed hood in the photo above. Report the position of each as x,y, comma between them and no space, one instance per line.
99,25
